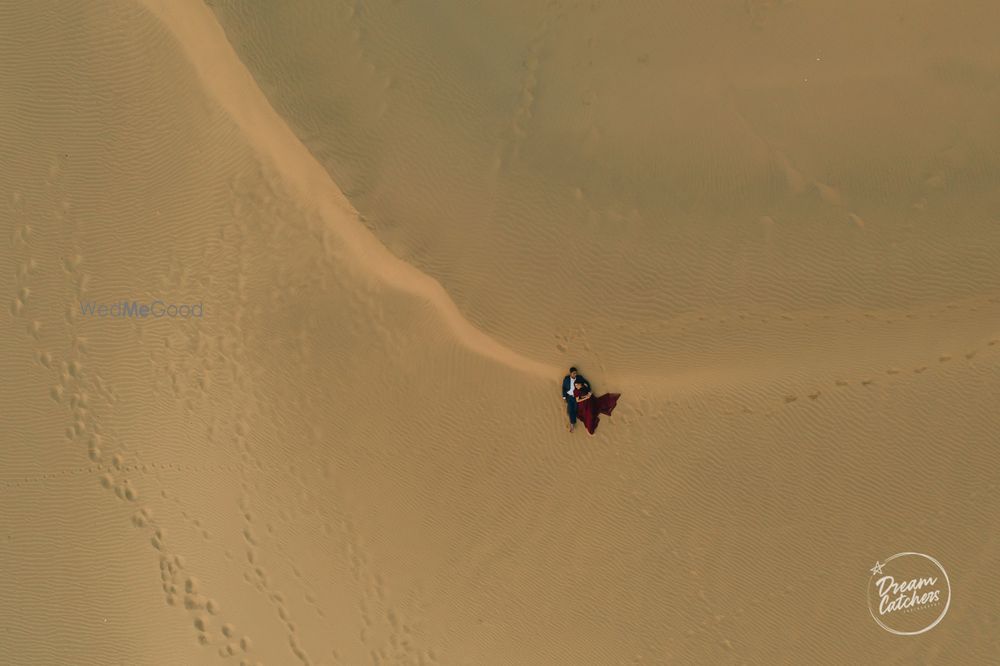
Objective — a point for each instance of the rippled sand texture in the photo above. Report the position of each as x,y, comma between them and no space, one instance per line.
357,456
646,173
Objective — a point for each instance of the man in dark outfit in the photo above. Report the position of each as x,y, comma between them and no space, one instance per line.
567,394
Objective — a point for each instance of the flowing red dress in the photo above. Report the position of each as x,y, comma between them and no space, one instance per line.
587,410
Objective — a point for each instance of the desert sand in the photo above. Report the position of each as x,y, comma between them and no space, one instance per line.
774,227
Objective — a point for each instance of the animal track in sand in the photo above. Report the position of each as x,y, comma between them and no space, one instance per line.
508,149
89,400
868,381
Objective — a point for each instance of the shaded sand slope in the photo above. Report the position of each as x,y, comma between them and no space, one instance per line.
331,468
710,167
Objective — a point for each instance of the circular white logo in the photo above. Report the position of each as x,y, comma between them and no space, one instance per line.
908,593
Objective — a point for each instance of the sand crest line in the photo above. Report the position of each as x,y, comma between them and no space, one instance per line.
226,80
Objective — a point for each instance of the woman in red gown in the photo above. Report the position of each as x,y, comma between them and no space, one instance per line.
589,406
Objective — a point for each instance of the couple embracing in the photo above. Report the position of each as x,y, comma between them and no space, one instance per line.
582,404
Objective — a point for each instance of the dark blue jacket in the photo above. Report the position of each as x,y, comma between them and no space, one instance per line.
567,380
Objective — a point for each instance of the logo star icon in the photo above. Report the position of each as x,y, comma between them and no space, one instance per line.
877,569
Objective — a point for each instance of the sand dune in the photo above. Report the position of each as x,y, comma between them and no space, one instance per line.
357,455
636,171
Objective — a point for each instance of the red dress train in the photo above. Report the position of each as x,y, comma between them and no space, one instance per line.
587,410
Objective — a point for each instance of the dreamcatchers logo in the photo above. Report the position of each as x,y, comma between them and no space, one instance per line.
909,593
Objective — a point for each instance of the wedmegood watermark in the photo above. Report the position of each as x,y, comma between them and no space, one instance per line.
137,310
908,593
